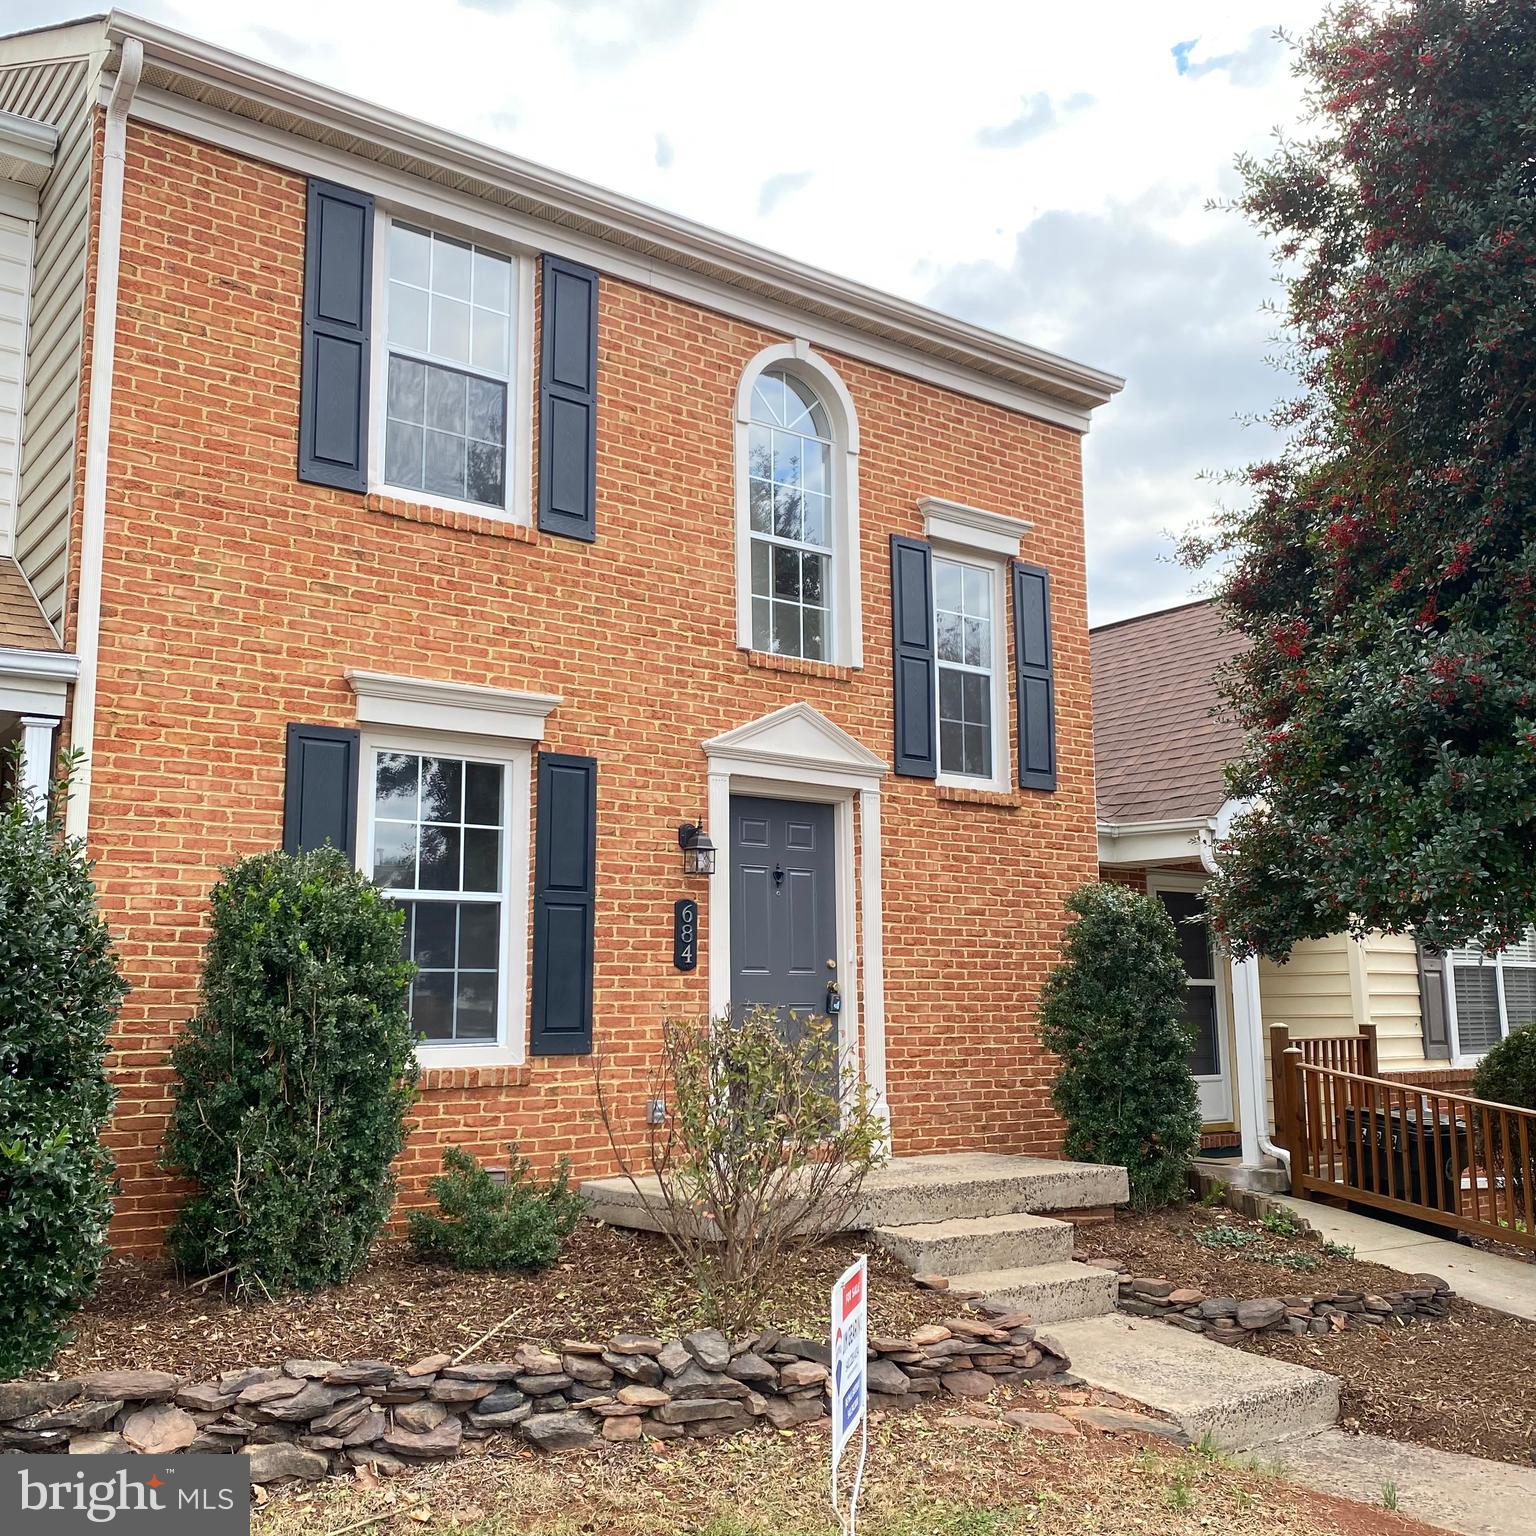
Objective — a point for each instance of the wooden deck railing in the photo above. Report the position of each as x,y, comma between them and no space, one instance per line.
1442,1157
1343,1053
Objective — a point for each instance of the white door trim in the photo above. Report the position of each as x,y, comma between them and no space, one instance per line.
796,753
1215,1091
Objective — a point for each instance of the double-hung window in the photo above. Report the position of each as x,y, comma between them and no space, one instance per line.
971,671
1492,995
449,393
440,833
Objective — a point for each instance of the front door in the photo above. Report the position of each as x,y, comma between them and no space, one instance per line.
1202,1001
783,908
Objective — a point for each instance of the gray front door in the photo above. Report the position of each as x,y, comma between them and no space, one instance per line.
783,907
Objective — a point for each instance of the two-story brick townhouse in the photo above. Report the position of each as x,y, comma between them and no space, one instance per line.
377,486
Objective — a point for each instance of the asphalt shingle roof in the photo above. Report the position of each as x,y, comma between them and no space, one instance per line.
1159,748
21,621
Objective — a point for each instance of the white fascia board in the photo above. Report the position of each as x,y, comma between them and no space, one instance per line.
35,682
1150,842
952,522
462,709
306,112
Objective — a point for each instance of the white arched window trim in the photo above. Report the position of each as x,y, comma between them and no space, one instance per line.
797,358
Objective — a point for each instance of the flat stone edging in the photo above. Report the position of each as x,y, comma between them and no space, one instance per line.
1226,1320
307,1418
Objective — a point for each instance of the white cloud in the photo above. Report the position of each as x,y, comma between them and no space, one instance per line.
855,136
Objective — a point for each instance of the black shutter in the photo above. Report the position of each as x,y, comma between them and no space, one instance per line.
568,400
320,799
564,881
1432,1020
334,377
912,663
1036,695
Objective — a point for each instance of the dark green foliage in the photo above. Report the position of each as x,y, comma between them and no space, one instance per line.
1382,568
480,1224
60,990
294,1079
1507,1073
1113,1011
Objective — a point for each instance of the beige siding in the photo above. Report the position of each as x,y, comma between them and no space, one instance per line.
53,91
1318,991
15,285
1392,999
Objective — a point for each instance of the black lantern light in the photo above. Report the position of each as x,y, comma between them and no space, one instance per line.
698,850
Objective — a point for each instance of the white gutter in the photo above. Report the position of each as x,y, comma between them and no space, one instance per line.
1248,1019
98,431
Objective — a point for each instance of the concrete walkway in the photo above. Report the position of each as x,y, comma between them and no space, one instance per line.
1458,1493
1489,1279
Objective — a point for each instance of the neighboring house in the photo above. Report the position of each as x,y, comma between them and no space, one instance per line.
1162,744
387,490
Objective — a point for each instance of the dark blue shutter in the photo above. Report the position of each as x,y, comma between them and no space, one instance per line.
334,377
320,798
568,400
564,888
1434,1026
1032,675
912,664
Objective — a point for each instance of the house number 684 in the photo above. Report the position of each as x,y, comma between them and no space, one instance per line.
685,934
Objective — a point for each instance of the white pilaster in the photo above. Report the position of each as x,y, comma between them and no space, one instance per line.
37,757
873,944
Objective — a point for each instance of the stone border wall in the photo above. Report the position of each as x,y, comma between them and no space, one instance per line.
307,1418
1229,1321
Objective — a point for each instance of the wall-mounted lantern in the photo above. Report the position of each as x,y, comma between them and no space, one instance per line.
698,850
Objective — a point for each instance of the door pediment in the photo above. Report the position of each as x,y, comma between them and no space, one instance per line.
795,741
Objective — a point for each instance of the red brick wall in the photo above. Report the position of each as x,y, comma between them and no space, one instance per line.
236,597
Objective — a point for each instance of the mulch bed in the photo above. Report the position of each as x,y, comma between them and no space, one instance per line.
1162,1244
607,1281
1462,1383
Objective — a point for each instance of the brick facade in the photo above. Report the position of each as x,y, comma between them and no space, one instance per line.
235,598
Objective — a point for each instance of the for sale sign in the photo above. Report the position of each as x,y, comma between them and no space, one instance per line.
850,1346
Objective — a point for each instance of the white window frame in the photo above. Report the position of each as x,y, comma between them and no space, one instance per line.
845,646
519,466
1472,1058
510,1047
1000,778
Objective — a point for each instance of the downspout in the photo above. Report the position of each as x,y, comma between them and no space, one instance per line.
98,428
1248,1019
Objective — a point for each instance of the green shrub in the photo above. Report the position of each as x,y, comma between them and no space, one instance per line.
1507,1074
60,990
294,1079
1113,1011
480,1224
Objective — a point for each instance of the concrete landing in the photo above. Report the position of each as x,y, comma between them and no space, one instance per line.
1489,1279
1459,1493
910,1190
1239,1400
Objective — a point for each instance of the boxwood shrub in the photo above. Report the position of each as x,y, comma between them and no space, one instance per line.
60,989
293,1081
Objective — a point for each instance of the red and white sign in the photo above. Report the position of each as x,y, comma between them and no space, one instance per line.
850,1374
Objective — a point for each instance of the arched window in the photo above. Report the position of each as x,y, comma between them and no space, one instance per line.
797,509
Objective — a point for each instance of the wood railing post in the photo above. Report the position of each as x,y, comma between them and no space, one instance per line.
1288,1110
1279,1043
1369,1060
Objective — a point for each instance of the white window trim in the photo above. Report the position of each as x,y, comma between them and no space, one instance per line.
519,470
511,1046
845,597
1472,1058
970,528
1001,777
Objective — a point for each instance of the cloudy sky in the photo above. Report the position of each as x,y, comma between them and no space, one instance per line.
1039,169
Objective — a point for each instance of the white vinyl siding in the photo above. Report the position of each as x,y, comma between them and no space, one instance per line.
53,92
15,291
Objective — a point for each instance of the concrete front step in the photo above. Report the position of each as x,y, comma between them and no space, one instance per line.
969,1243
936,1187
1050,1293
1238,1399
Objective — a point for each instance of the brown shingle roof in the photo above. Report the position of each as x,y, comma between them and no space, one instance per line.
1160,750
21,621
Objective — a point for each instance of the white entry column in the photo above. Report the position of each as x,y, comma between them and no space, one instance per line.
37,757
